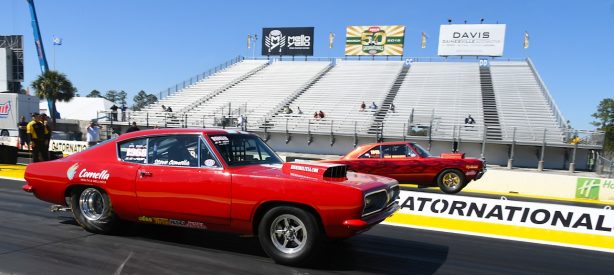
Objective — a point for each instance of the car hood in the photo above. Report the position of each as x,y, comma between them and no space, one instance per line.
274,171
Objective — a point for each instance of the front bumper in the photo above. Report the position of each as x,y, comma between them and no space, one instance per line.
365,223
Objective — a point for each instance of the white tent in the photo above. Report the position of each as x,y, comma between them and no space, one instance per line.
81,108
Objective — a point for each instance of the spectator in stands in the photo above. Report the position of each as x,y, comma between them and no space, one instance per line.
163,108
287,110
23,132
93,133
123,108
169,109
298,110
363,106
373,106
321,114
469,120
114,112
133,128
316,115
392,107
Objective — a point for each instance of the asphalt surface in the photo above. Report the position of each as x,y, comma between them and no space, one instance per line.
35,241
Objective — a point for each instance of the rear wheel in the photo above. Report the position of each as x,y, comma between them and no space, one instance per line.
93,210
451,181
289,235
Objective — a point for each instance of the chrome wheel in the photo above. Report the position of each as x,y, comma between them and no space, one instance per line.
288,234
92,204
451,179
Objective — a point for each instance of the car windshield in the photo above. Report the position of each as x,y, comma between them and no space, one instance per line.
240,149
421,151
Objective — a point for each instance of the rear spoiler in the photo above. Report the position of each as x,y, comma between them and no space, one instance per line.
315,169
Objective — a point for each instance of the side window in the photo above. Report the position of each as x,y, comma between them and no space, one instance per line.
206,156
372,153
134,151
173,150
395,151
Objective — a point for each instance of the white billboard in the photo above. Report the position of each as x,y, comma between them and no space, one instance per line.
471,39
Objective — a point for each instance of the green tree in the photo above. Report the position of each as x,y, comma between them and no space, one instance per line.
605,122
111,95
54,86
121,97
94,93
143,99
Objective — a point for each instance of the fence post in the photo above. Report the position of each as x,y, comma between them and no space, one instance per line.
355,135
482,155
510,161
147,119
540,164
572,164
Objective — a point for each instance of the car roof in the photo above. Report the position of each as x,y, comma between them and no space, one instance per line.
166,131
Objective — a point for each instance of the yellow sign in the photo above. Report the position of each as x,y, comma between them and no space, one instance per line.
374,40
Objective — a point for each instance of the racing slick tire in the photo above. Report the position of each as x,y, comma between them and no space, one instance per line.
290,235
451,181
93,210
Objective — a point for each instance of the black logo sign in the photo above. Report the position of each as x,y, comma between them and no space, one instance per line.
287,41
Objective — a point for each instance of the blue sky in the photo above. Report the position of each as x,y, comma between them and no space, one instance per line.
151,45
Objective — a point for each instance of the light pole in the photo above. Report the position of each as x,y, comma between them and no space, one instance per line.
251,43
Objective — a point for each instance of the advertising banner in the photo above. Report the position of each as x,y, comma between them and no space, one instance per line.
595,221
374,40
287,41
471,39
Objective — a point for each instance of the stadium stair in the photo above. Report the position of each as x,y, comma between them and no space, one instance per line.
489,103
380,115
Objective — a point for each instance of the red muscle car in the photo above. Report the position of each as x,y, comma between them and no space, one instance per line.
217,180
408,162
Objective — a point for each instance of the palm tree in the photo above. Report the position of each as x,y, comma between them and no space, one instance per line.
54,86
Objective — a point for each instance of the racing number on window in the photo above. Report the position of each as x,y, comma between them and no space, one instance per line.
134,151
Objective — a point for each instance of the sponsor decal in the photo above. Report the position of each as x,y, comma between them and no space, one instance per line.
209,162
517,213
594,188
220,140
472,166
4,109
87,176
172,222
375,40
70,173
172,162
304,168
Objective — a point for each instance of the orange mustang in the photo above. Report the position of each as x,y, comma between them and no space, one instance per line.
217,180
408,162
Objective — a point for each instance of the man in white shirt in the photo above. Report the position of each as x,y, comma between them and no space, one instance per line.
93,134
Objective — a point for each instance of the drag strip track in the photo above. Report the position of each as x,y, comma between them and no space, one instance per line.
36,241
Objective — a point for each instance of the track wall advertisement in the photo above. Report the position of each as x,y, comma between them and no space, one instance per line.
471,39
374,40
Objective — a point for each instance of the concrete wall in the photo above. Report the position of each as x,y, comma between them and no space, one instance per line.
541,184
495,154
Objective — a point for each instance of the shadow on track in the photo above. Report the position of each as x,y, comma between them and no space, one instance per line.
363,253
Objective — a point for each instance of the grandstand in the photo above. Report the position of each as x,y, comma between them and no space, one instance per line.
432,97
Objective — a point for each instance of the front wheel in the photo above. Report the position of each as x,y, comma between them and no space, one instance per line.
289,235
451,181
93,210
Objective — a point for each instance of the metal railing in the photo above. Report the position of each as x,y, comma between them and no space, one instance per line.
559,116
194,79
604,167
